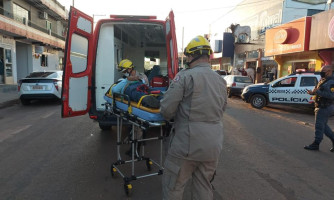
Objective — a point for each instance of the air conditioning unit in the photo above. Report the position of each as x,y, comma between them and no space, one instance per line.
43,15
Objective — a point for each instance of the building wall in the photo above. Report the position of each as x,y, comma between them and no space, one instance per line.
24,58
7,42
294,10
37,21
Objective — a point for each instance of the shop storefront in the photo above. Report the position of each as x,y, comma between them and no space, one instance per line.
289,44
7,60
322,36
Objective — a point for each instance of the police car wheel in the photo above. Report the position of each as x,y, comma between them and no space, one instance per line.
258,101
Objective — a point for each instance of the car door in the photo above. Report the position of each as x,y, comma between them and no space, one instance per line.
282,90
172,55
76,91
306,83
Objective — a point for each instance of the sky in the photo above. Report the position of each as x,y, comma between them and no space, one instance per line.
192,18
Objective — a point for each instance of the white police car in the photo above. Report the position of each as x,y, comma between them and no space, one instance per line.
291,89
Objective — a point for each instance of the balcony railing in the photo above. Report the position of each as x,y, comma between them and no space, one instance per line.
30,23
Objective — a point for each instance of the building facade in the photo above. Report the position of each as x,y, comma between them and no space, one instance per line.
260,16
32,37
305,44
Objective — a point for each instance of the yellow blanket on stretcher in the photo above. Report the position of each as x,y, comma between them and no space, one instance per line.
136,104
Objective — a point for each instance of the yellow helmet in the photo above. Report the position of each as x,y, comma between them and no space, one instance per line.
124,65
200,44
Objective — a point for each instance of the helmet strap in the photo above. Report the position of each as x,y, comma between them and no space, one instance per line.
193,60
130,71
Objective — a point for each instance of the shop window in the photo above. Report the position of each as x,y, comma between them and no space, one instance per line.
308,81
8,63
44,60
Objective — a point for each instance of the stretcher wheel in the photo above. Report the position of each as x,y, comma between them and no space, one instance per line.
113,171
148,165
128,189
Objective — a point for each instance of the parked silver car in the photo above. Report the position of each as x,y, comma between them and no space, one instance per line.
236,83
40,85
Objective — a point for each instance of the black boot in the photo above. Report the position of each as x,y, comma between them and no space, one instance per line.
332,149
313,146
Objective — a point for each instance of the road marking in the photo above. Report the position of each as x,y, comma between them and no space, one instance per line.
11,132
48,115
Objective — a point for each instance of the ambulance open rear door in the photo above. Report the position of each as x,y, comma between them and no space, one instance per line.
76,91
172,54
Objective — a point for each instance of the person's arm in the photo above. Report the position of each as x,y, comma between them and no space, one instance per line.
328,91
119,87
172,98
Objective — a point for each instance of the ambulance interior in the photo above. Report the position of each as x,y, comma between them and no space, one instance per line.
142,43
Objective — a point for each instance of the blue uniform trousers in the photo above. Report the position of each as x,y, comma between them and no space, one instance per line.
321,119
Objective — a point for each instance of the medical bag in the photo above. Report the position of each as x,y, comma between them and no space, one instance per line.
159,81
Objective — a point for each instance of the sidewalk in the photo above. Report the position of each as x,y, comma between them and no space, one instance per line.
8,95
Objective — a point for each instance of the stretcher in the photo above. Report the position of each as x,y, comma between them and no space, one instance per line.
139,117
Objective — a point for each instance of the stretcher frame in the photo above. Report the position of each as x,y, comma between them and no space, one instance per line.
127,116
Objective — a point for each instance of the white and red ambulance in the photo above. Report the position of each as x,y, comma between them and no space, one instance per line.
92,54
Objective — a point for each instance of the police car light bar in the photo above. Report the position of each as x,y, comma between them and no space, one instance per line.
304,72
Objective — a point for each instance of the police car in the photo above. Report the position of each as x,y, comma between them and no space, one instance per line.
291,89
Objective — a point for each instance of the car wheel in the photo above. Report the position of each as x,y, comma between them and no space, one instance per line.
25,102
229,94
258,101
104,127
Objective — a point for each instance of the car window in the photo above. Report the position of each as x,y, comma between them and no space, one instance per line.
308,81
42,75
244,79
287,82
221,72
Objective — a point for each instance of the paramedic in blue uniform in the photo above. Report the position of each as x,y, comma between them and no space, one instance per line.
196,100
324,107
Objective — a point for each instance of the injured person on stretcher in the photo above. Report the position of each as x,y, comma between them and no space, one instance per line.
135,85
137,91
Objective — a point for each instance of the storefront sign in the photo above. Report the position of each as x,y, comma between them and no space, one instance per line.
288,38
322,31
281,36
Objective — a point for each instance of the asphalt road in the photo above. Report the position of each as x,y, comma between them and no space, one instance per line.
43,156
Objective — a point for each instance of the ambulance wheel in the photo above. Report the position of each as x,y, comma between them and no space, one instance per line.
128,189
104,127
258,101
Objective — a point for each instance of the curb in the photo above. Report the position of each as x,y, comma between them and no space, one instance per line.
9,103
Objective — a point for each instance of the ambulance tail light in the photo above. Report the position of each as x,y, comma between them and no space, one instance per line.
234,84
93,116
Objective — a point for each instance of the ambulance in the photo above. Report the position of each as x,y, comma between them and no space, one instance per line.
288,90
93,53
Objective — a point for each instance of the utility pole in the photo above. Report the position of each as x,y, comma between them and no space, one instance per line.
329,2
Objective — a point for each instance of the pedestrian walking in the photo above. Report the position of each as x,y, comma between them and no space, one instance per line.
324,107
196,100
